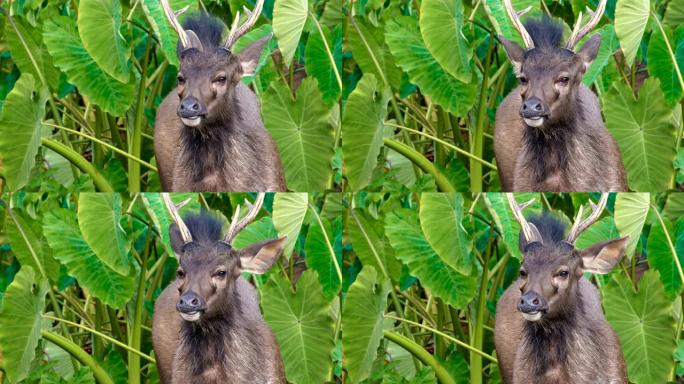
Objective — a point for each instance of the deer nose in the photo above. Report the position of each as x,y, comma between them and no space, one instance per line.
190,107
532,107
190,302
531,302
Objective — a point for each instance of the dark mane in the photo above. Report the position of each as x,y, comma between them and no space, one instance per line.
551,229
204,227
545,32
207,27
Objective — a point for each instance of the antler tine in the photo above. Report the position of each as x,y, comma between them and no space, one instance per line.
580,226
517,212
578,33
173,211
236,226
515,18
171,15
235,31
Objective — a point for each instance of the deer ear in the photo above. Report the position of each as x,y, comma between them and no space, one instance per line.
589,50
249,57
176,239
602,257
258,258
515,54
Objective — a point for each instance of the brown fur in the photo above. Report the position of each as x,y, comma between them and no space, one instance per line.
571,342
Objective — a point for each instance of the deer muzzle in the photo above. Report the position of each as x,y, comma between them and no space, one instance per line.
191,111
532,306
534,111
190,306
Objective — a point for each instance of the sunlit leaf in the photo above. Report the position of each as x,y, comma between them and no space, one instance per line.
631,17
371,246
29,246
289,210
28,52
289,17
630,215
372,54
441,22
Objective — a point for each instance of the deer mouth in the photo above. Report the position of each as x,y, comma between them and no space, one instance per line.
192,121
535,122
191,316
532,316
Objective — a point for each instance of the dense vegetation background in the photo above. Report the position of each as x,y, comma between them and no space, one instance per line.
393,288
361,94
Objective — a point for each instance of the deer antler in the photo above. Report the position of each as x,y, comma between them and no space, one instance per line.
577,32
236,226
235,31
580,226
173,19
173,211
515,18
530,232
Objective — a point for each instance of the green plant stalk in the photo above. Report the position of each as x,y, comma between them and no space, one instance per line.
416,350
136,332
104,144
446,144
98,348
84,165
114,325
478,332
440,156
477,147
136,140
440,345
74,350
98,155
442,182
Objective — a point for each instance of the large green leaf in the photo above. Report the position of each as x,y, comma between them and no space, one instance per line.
371,246
20,128
256,232
362,130
660,62
99,25
644,131
167,37
631,210
99,217
411,247
674,16
372,54
362,322
70,248
318,62
609,44
20,322
406,45
28,52
319,257
289,210
441,22
29,246
602,230
301,130
644,325
68,53
631,17
674,206
302,326
441,216
661,258
289,17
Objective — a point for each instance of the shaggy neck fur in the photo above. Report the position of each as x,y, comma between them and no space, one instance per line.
205,148
548,149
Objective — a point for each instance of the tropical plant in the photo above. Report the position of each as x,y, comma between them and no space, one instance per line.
395,288
358,95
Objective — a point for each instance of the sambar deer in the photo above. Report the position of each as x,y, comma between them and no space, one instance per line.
550,326
207,324
549,134
208,133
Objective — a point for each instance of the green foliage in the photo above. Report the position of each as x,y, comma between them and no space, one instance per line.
289,17
631,17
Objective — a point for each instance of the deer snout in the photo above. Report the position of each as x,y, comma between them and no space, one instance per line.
190,108
190,303
532,303
533,107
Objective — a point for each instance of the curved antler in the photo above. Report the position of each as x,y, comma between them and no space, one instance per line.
173,19
235,31
173,211
515,18
530,232
577,32
236,226
579,226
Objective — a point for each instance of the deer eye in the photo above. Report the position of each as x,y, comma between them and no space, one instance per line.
181,80
523,80
220,274
563,80
523,273
220,80
180,274
564,274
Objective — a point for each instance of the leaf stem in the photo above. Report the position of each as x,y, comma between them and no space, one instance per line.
136,140
74,350
75,158
442,182
423,355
